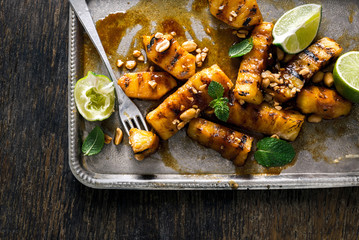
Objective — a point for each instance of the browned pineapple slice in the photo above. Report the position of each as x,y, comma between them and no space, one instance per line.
143,143
166,52
322,101
266,119
147,85
236,13
303,67
249,77
186,103
231,144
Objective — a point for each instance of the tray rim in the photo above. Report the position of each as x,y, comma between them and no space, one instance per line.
181,181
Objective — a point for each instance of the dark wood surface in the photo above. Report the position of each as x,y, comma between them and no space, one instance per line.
40,198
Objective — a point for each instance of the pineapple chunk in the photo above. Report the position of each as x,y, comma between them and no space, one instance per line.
249,77
236,13
168,118
143,143
147,85
174,59
304,66
323,102
231,144
266,119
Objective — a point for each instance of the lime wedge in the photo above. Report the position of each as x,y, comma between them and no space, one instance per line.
346,76
297,28
95,97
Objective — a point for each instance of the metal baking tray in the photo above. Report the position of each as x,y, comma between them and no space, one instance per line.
327,153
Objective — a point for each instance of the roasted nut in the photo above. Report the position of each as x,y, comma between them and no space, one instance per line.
181,125
158,35
241,101
318,77
131,64
173,33
198,50
189,46
153,84
278,107
163,45
265,83
119,63
198,58
275,136
328,79
202,87
108,139
141,58
118,136
136,53
188,115
314,118
203,55
304,71
205,50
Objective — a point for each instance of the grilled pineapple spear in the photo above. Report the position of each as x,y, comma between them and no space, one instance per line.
147,85
166,52
249,77
303,67
143,143
187,102
323,102
231,144
236,13
266,119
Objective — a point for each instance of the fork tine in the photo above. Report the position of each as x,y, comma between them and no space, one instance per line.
143,122
124,123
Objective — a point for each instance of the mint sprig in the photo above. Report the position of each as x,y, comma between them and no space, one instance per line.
273,152
94,142
242,48
219,103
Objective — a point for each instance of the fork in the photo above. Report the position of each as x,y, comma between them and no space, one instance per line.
130,115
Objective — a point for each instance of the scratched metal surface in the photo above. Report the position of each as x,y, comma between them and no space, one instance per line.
324,151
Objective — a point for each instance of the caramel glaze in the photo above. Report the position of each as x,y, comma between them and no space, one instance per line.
121,34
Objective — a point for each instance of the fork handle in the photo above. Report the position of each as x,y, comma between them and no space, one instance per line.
83,13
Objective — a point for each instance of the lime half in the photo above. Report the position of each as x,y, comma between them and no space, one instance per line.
297,28
346,76
95,97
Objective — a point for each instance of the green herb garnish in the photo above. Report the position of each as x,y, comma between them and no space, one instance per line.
219,103
273,152
242,48
94,142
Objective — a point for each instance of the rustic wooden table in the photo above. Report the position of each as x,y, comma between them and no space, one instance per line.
40,198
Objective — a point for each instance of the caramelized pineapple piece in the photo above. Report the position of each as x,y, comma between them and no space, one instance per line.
147,85
266,119
322,101
166,52
187,102
304,66
249,80
231,144
236,13
143,143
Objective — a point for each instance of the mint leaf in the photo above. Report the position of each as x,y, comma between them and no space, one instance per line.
94,142
273,152
215,90
242,48
222,112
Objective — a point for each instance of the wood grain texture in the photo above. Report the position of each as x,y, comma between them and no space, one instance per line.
40,199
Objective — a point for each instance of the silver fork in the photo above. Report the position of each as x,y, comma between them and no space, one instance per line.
130,115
